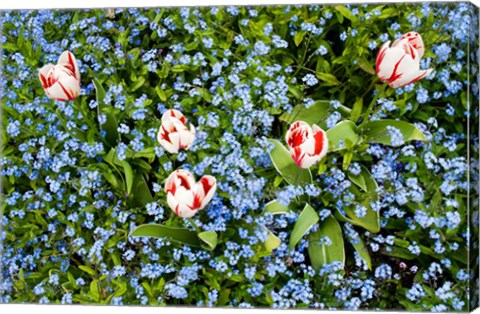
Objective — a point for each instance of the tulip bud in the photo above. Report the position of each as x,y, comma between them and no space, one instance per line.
185,196
61,81
174,134
399,65
306,145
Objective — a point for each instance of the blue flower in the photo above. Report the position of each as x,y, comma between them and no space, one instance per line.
310,79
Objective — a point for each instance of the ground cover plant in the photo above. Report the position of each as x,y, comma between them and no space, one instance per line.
302,156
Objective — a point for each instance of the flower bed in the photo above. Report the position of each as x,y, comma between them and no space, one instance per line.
283,156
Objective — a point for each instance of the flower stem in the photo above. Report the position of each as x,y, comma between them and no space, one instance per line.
192,222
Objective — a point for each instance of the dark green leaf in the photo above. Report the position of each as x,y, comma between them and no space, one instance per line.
180,235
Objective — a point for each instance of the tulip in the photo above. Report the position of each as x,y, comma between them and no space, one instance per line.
185,196
61,81
399,65
306,145
174,134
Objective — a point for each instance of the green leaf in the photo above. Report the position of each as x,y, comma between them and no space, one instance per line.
364,180
94,291
345,12
308,217
139,83
370,222
376,131
111,123
87,269
320,253
100,93
274,207
365,65
161,94
141,192
210,238
328,78
272,241
127,169
344,132
298,38
121,290
286,167
180,235
362,250
356,110
317,113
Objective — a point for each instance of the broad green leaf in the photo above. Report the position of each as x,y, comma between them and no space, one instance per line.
365,65
370,222
161,93
341,134
140,81
180,235
210,238
111,124
345,12
127,169
274,207
376,131
272,241
298,38
111,127
121,289
317,113
87,269
356,110
399,252
320,253
364,180
141,192
94,291
286,167
328,78
363,252
307,218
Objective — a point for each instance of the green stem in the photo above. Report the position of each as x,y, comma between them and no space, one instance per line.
197,229
372,104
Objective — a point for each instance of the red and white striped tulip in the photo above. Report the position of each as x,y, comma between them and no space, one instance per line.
307,145
174,133
399,65
185,196
61,81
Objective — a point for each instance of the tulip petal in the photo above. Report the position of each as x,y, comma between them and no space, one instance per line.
185,211
172,201
68,59
309,160
410,78
415,40
186,139
208,186
387,62
321,141
185,179
173,113
57,91
43,74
